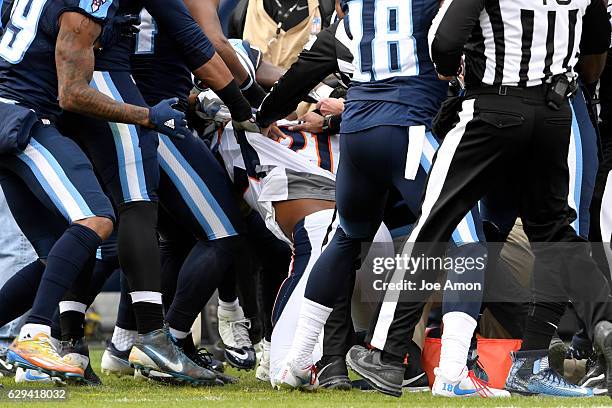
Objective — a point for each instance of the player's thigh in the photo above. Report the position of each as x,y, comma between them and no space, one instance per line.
59,174
124,155
363,180
195,188
40,225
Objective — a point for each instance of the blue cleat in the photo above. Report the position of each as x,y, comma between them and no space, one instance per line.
530,374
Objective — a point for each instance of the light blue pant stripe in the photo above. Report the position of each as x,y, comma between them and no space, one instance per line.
84,209
142,185
578,176
202,187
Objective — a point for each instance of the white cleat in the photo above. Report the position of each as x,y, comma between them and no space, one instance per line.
27,375
115,362
263,369
468,385
290,377
234,332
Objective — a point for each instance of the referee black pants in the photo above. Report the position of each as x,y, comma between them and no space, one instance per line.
515,134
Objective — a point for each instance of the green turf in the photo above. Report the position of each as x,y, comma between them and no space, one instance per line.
127,392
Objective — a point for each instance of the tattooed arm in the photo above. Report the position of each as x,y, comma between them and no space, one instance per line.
74,60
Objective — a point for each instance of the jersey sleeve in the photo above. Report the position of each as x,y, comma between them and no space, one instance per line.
173,17
450,30
99,10
595,29
311,67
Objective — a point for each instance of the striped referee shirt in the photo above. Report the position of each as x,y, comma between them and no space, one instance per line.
516,42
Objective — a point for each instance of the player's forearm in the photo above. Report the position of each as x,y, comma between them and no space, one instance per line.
74,60
87,101
205,14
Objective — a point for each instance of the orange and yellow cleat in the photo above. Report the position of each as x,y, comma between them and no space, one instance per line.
38,353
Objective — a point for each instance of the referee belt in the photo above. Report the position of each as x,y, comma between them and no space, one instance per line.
535,92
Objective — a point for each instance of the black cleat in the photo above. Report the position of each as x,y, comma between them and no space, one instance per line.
6,369
157,357
384,377
333,374
603,345
77,352
556,354
595,376
203,358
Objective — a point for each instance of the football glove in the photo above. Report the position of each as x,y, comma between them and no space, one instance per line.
168,120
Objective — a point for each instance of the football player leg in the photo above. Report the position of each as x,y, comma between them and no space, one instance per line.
58,174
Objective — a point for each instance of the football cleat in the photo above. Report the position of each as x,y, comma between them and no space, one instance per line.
203,358
38,353
234,332
263,369
556,354
28,375
6,369
116,362
383,377
603,345
77,353
158,358
530,374
467,385
333,374
291,377
595,377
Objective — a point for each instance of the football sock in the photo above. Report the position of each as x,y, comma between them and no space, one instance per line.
200,275
310,324
229,307
66,260
17,294
148,310
72,320
123,339
140,261
125,314
456,338
179,335
541,324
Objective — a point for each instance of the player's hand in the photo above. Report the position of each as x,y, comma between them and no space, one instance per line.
273,132
445,78
311,122
330,106
164,118
248,125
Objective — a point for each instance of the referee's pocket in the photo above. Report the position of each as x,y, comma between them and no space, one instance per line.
501,120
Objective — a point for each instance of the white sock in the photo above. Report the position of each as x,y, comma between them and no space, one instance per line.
310,324
123,339
456,337
179,335
29,330
69,306
229,306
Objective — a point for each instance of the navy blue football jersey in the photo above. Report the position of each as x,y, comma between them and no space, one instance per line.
172,18
394,81
27,49
159,67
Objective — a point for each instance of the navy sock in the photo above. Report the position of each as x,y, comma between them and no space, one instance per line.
17,294
202,272
66,260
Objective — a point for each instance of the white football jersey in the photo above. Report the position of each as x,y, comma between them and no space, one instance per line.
302,165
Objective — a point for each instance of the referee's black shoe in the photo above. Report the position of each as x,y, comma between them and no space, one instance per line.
603,345
332,373
384,377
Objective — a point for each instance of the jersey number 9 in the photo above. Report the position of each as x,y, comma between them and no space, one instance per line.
21,29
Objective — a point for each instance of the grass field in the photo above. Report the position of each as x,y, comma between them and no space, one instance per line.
127,392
